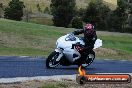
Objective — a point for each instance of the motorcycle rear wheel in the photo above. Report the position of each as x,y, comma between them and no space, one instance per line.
90,58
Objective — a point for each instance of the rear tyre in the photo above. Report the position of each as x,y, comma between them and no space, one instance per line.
90,58
51,60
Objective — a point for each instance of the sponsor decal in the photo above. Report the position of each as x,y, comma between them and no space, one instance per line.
82,78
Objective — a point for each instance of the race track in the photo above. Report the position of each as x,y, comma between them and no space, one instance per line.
15,66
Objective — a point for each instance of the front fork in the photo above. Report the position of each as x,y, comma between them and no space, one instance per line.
60,54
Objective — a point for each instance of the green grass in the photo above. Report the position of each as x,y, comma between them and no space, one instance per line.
55,85
21,38
122,43
22,51
117,45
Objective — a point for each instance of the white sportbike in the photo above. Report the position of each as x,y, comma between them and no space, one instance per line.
67,53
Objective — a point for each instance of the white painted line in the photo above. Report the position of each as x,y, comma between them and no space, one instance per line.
31,57
24,56
115,60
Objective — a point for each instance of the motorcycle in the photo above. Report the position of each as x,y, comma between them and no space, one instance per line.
67,52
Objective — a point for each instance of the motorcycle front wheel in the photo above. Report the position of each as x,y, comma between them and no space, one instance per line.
51,60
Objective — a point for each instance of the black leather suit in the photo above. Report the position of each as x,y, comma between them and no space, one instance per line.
89,40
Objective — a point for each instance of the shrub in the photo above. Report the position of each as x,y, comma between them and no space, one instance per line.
77,23
15,10
63,12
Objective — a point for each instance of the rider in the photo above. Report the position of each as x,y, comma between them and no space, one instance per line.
89,37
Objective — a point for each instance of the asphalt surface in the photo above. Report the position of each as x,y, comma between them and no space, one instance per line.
14,66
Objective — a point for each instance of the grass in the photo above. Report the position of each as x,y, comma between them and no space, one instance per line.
123,43
55,85
116,45
21,38
21,51
40,20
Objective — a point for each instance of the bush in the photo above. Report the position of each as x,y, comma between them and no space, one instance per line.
15,10
77,23
1,10
97,13
128,30
63,12
39,8
47,10
80,12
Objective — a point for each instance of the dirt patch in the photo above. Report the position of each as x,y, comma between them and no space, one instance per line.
112,53
106,51
105,33
28,84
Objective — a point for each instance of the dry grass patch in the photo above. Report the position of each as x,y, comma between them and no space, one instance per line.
108,53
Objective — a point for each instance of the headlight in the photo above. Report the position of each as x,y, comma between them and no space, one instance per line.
67,39
70,39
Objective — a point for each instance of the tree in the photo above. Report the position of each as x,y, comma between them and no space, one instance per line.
80,12
114,23
1,5
103,12
121,15
119,19
96,13
129,11
77,23
39,8
1,9
130,21
62,11
47,11
26,14
15,10
91,14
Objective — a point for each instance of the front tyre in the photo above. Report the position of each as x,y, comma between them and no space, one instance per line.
51,60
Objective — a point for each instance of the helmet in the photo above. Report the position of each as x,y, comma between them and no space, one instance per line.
88,29
89,26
